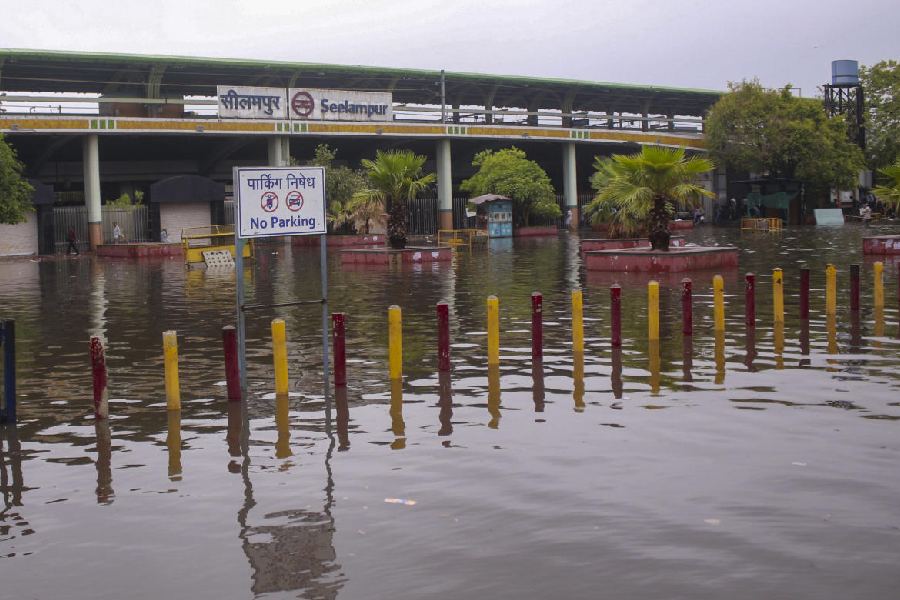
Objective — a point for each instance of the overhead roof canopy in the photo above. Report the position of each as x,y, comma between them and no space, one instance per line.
140,76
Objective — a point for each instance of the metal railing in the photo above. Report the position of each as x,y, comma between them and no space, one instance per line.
133,222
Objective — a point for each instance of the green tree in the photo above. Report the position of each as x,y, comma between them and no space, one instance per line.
641,190
508,172
341,183
881,86
15,191
752,129
889,191
395,177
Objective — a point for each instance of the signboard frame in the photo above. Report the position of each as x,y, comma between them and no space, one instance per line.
239,242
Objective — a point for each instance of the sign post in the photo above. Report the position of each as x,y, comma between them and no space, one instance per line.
278,201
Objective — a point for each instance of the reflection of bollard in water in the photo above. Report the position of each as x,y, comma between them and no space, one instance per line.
342,409
232,370
494,396
687,307
855,332
395,342
398,427
804,294
804,342
750,348
170,357
339,348
779,345
653,310
233,435
854,288
653,351
687,357
616,374
279,356
720,357
8,345
445,403
173,444
879,326
537,385
104,491
878,284
577,321
100,379
831,324
718,303
615,308
830,290
578,381
493,330
283,425
443,319
750,300
537,326
778,295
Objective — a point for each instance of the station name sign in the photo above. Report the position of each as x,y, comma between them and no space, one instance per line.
310,104
280,201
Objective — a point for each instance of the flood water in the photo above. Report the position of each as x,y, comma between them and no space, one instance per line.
761,466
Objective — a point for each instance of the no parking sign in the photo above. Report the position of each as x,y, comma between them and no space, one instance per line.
280,201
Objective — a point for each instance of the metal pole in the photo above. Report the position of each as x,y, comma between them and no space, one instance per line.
241,333
443,98
323,266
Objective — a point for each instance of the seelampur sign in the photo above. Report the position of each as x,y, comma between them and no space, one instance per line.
312,104
280,201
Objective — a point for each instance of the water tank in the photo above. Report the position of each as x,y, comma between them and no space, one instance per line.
844,73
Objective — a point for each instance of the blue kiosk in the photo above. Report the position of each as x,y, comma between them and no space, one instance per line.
494,215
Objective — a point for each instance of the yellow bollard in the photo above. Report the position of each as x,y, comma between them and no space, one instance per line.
719,303
720,356
653,310
279,356
778,295
577,322
395,342
653,351
170,358
878,284
830,290
493,332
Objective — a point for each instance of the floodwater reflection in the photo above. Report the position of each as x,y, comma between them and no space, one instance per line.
578,381
398,426
537,385
493,403
173,443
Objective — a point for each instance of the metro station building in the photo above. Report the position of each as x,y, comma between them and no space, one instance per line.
90,127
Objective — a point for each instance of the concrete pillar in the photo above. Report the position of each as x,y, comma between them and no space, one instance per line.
570,183
671,123
444,185
278,157
455,118
90,157
488,116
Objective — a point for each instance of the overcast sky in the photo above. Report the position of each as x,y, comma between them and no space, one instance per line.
689,43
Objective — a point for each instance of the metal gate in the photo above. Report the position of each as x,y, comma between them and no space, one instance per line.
422,216
133,221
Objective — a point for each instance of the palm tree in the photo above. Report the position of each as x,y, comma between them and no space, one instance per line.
890,192
640,191
395,177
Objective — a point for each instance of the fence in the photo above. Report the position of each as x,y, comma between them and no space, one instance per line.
133,221
422,216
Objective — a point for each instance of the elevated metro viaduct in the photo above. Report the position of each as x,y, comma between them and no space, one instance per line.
103,123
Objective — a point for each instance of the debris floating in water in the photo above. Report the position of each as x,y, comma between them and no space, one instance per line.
402,501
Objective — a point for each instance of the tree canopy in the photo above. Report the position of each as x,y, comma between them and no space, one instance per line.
15,192
776,133
889,191
881,86
508,172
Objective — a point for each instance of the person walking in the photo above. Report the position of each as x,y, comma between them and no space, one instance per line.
72,237
117,233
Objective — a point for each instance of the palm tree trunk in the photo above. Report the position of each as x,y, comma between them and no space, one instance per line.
659,225
396,228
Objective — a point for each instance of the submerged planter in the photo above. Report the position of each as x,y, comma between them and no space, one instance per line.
675,260
535,231
881,244
340,241
140,250
388,256
589,245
